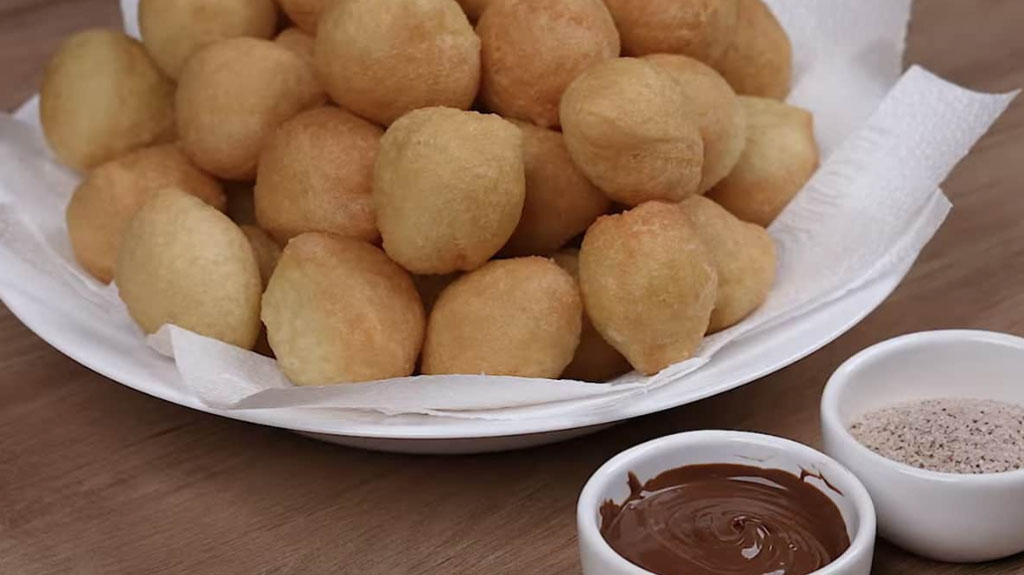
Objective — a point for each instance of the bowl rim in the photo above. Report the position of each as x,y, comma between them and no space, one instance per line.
861,543
847,372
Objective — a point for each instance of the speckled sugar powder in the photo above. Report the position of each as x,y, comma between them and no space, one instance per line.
949,435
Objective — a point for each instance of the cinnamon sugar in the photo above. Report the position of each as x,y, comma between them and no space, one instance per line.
947,435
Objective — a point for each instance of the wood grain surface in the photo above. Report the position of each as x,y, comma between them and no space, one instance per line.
98,479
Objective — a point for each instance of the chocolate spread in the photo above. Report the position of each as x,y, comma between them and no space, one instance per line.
725,520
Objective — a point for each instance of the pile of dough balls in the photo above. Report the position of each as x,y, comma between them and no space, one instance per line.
371,189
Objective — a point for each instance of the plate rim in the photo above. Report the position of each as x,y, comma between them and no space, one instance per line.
873,294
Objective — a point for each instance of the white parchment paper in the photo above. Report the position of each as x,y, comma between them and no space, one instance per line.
887,143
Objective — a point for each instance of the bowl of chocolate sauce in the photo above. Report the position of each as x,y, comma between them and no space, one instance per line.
724,503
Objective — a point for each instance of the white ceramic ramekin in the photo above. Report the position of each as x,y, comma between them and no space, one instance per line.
702,447
943,516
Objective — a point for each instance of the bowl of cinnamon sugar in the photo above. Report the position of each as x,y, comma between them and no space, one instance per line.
932,423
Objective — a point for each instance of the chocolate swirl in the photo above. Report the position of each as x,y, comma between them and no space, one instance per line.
725,520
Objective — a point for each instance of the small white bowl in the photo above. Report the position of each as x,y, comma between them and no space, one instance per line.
945,516
702,447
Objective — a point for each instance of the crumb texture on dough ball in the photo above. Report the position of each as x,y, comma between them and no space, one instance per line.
384,58
531,50
448,189
627,127
174,30
101,97
648,284
264,249
105,201
232,95
697,28
316,175
304,13
560,202
595,360
744,259
297,41
337,310
759,60
183,262
780,156
518,317
723,125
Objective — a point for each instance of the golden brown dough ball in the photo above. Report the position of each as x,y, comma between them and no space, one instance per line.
448,189
560,202
174,30
744,258
779,158
697,28
759,60
183,262
719,114
532,49
383,58
297,41
267,253
264,249
316,175
232,95
649,284
304,13
627,128
595,360
517,317
102,97
106,200
337,310
474,8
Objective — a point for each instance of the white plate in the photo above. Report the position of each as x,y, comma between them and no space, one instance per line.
125,358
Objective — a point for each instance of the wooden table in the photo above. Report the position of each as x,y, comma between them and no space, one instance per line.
98,479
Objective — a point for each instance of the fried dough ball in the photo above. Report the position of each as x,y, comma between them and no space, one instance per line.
297,41
595,360
174,30
532,49
759,60
232,95
780,156
264,249
448,189
383,58
337,310
743,255
106,200
648,284
241,206
267,254
102,97
183,262
474,8
560,202
698,28
304,13
316,175
517,317
626,128
720,117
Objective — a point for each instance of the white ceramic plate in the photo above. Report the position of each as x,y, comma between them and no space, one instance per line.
125,358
